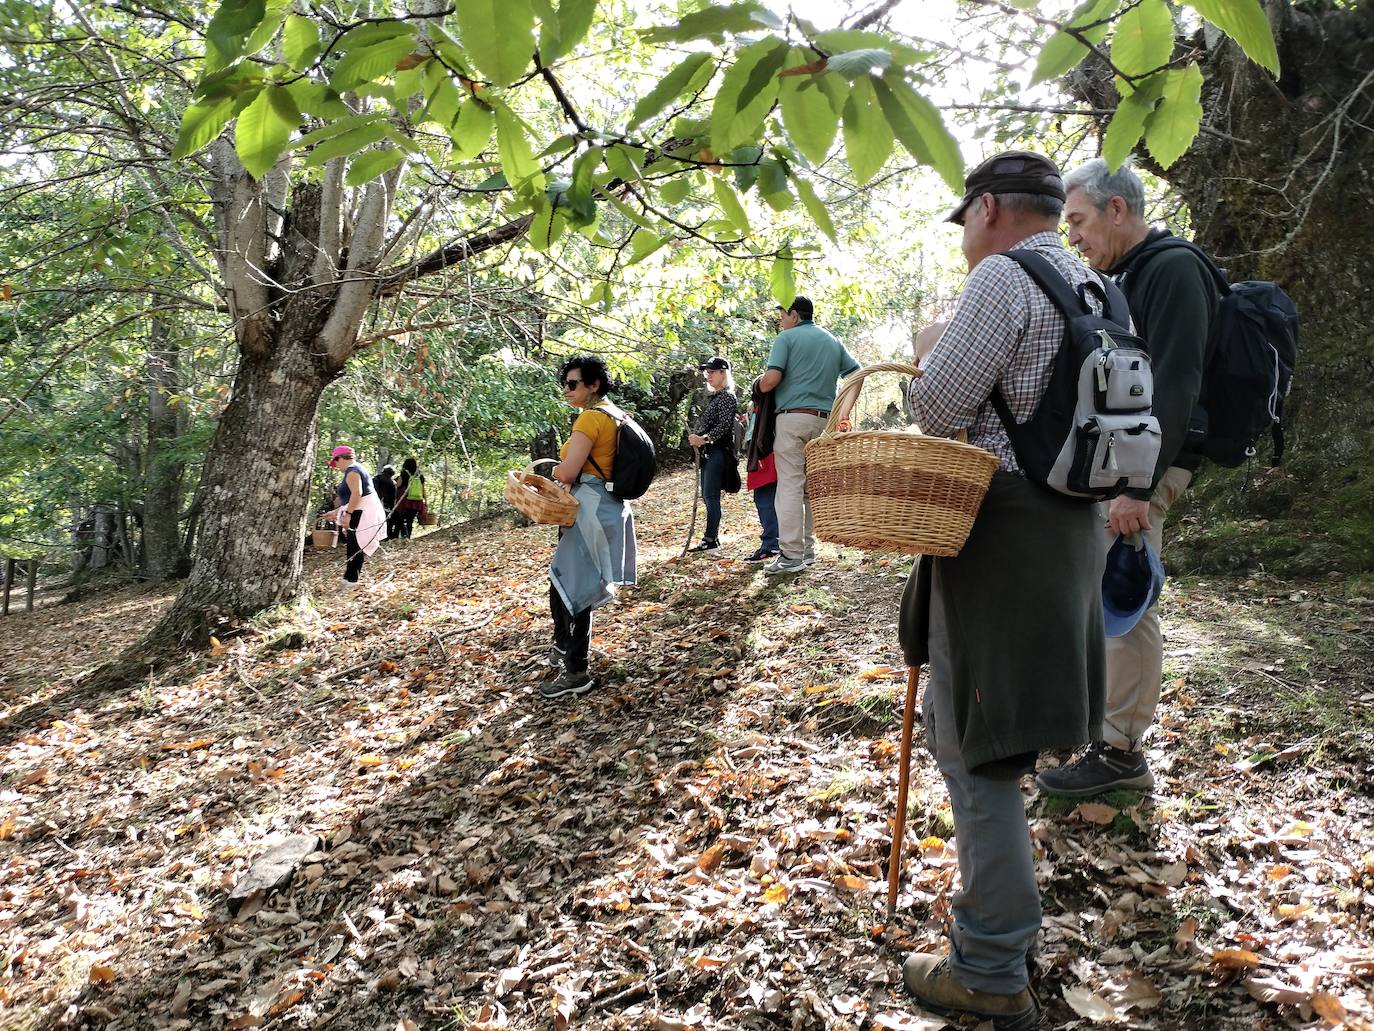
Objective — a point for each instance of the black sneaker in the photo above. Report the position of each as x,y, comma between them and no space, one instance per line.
705,548
1096,769
762,556
556,656
567,684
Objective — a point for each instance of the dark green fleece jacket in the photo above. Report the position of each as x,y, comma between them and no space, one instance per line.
1173,301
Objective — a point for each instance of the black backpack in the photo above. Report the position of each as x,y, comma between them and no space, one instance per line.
635,460
1254,350
1092,435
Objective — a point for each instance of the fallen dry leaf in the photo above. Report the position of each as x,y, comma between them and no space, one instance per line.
1096,812
710,859
189,746
1329,1008
1185,935
1272,990
1091,1006
1236,959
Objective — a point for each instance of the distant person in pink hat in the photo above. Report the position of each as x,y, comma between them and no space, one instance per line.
361,515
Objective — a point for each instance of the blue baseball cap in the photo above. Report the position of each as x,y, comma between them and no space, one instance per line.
1131,583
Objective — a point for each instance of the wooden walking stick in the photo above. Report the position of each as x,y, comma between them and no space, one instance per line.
894,862
696,498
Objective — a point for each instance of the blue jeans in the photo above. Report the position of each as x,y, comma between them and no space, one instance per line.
712,476
764,504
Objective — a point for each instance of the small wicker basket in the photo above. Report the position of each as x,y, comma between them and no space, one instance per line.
324,534
540,498
884,490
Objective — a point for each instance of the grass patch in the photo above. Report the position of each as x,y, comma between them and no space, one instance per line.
845,782
856,708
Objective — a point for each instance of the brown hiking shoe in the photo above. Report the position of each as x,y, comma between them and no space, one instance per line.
930,980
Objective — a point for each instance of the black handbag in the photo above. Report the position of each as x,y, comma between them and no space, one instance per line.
730,482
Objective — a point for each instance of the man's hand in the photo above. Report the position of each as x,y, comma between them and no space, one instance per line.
926,340
1128,515
696,440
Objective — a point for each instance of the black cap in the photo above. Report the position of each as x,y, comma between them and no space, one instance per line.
717,362
803,307
1013,171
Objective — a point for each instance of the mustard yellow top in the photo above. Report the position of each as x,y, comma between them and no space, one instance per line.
602,430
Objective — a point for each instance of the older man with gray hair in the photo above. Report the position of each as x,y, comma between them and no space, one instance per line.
1173,302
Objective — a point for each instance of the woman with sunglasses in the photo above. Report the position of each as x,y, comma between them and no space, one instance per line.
597,553
715,436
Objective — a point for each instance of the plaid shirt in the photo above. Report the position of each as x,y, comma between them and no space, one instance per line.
1004,333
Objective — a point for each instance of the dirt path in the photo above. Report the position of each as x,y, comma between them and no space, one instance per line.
698,843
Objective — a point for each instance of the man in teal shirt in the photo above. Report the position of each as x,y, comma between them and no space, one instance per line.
803,366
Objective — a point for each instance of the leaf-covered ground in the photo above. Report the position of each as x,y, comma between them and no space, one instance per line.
699,843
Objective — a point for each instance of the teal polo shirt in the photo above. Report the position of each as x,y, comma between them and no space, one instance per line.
810,360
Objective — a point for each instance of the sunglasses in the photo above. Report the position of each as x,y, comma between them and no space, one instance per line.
571,384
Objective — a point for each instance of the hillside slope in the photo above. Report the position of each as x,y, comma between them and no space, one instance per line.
698,843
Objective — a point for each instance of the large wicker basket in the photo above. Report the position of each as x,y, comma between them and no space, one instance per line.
540,498
884,490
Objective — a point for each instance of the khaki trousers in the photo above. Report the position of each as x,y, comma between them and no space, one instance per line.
1135,662
796,539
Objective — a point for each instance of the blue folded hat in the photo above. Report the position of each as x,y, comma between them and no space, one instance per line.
1131,583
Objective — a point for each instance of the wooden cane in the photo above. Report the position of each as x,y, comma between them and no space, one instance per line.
696,498
894,862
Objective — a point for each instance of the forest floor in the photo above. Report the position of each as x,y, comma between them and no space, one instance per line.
700,842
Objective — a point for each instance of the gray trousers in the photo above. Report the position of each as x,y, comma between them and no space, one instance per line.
1135,661
997,909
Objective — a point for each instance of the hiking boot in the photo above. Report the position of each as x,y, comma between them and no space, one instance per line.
705,548
1096,769
567,684
556,656
783,564
929,979
761,556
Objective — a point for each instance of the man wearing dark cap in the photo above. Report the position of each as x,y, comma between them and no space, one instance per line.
1011,628
714,439
803,366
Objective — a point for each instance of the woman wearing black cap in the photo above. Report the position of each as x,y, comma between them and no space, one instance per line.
715,437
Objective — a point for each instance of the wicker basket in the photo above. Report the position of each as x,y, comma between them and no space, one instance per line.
884,490
324,535
429,517
540,498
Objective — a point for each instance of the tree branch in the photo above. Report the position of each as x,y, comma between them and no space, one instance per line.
454,253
